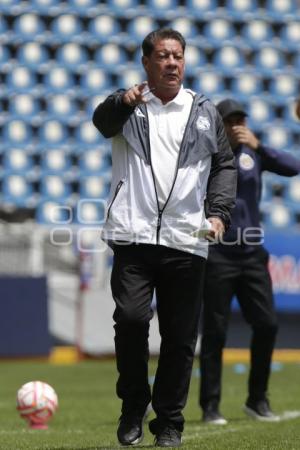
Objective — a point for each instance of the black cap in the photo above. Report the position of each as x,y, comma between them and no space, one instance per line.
228,106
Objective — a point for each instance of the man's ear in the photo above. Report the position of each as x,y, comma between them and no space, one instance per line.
145,62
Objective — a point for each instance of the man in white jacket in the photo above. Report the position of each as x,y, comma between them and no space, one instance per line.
170,157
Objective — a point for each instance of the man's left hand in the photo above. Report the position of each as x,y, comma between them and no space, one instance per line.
217,229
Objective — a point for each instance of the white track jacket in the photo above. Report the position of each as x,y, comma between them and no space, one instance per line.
204,184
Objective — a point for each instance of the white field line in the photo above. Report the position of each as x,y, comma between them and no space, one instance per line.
288,415
28,430
214,430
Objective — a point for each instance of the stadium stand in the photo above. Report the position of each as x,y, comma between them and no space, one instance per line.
246,84
59,79
21,80
33,55
104,28
218,31
55,162
28,27
59,59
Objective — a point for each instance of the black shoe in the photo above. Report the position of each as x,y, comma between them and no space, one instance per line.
130,429
213,417
260,410
168,437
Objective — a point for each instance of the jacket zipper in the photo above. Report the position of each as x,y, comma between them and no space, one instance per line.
119,185
161,210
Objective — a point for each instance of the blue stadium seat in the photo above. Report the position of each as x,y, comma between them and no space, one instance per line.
90,212
17,132
104,28
187,27
61,106
290,35
86,134
84,7
260,112
8,6
278,215
94,101
279,9
59,79
277,185
267,59
257,31
67,28
138,27
33,55
228,58
52,132
128,77
47,7
28,27
5,56
209,83
24,106
17,190
289,114
119,6
93,187
109,56
94,161
55,187
53,213
94,81
5,32
165,10
293,191
72,56
266,193
241,9
296,63
201,8
245,84
218,31
195,57
282,86
278,135
21,80
55,161
18,161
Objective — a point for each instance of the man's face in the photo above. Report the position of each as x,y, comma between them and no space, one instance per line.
165,67
230,123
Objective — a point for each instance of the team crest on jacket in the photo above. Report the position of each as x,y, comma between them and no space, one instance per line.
246,162
203,123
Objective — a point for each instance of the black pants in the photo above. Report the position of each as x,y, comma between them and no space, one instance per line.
248,278
176,276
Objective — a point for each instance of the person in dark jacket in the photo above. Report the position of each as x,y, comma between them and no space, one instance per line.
169,153
238,266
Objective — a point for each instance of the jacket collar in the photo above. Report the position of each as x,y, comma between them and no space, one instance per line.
179,100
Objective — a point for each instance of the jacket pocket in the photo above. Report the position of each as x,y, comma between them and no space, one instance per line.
117,190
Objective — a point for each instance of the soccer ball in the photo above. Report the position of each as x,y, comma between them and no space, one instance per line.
37,402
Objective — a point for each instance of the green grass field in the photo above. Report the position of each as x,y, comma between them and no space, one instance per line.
89,410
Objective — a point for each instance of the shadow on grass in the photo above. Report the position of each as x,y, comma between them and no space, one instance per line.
106,447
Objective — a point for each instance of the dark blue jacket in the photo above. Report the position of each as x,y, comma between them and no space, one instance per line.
250,165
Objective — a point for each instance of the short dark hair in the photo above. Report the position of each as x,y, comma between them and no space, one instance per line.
161,33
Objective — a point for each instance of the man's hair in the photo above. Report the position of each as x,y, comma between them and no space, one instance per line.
162,33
